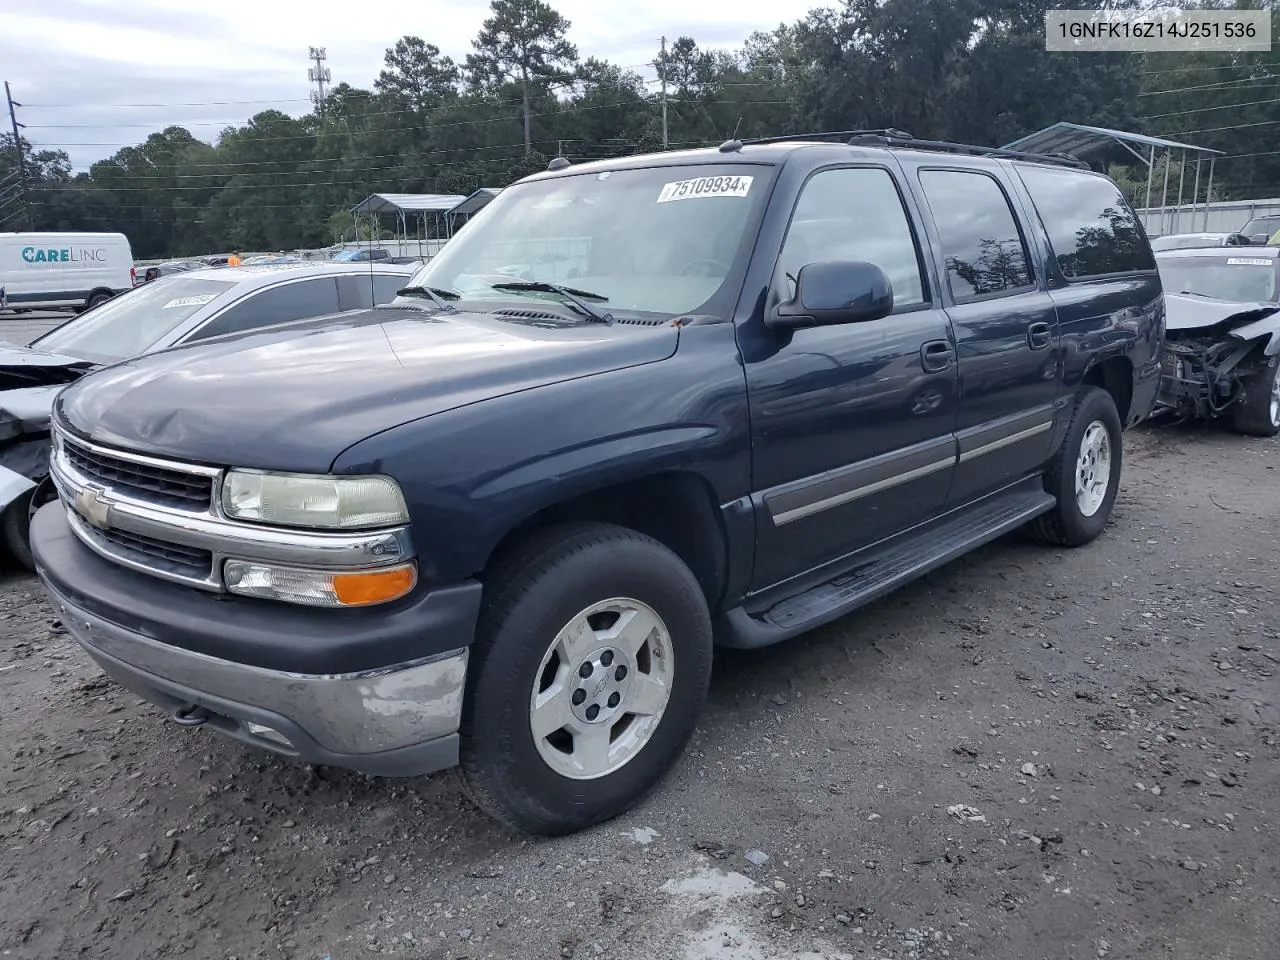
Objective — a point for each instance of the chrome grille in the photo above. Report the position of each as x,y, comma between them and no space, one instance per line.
152,483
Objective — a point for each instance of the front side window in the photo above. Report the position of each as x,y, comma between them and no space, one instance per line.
131,323
1092,229
300,300
983,248
657,240
1238,278
855,214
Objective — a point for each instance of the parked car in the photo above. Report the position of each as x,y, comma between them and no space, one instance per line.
502,520
272,259
1260,229
168,268
1222,351
188,307
57,271
362,256
1182,241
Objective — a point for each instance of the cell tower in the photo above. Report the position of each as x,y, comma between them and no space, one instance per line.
319,75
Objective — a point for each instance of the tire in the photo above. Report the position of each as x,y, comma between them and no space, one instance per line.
96,300
1258,414
531,783
1069,523
15,529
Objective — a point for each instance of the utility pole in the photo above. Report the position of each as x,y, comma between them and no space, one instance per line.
319,75
662,63
22,162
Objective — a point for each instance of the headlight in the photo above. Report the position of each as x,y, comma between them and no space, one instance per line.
320,588
312,500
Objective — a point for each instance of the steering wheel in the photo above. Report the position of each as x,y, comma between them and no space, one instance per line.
723,268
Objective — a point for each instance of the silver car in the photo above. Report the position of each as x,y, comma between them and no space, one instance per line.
171,310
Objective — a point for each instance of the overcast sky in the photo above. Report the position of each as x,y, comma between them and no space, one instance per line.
96,75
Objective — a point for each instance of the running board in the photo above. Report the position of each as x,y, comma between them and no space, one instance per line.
887,566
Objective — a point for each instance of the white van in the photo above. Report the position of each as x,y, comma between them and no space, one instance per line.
50,271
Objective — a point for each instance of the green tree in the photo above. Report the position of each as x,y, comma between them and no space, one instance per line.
523,43
418,75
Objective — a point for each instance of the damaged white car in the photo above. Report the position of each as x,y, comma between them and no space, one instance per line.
165,312
1222,341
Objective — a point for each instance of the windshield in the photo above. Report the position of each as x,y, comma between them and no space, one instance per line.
1238,279
659,240
127,325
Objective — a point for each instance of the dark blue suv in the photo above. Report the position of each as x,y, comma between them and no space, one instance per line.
637,408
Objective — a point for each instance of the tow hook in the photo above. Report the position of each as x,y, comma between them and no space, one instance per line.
190,715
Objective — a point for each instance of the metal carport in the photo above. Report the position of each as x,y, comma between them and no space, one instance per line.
404,205
1074,139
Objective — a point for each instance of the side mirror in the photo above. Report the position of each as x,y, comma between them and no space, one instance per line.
835,291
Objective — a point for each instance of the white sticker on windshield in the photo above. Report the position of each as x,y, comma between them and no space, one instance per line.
705,187
1249,261
190,301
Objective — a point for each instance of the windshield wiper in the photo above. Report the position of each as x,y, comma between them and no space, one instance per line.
575,297
437,295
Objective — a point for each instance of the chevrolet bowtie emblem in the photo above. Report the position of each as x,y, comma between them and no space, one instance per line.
91,505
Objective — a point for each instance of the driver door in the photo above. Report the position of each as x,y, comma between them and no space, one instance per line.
853,424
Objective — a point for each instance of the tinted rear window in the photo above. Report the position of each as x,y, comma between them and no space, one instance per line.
1091,227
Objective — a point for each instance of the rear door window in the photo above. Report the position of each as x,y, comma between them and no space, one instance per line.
300,300
1092,229
983,247
354,293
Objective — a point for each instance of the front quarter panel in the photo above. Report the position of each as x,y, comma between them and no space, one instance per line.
473,474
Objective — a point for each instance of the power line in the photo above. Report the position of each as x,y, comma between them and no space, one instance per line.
1261,81
1224,106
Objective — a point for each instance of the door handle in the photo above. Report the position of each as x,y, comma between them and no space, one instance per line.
1038,336
936,355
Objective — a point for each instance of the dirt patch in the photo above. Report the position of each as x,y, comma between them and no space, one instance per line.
1110,716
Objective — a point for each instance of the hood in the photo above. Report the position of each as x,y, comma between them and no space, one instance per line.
24,367
1243,321
294,397
1184,312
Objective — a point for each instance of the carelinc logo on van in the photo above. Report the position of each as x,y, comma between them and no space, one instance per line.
64,255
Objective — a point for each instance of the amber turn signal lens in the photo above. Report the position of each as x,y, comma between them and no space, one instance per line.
373,586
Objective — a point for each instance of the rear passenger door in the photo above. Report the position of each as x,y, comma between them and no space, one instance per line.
851,424
1006,328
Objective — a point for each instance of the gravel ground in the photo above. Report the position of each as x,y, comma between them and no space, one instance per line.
1033,753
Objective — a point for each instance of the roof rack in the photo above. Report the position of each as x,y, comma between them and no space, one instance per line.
890,137
835,136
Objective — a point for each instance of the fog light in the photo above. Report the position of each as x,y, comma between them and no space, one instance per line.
320,588
268,733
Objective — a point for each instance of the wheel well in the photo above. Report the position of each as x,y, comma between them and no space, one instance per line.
99,290
676,509
1114,375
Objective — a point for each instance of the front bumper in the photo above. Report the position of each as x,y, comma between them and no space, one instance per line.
398,718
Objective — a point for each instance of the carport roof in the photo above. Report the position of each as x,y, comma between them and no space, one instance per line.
1075,138
476,201
408,203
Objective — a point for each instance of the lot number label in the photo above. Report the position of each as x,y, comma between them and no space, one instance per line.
705,187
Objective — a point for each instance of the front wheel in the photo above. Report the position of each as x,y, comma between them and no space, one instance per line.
1084,474
1258,412
589,670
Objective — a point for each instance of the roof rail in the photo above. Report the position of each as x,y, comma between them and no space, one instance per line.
891,137
835,135
944,146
